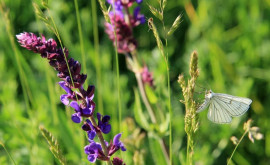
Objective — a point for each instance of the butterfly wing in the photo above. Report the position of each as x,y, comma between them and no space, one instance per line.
203,106
217,113
235,106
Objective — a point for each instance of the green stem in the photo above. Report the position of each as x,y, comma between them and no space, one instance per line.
169,91
145,98
62,47
117,72
7,152
170,111
80,35
188,144
244,134
97,58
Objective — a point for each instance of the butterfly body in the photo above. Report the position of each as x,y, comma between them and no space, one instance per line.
222,107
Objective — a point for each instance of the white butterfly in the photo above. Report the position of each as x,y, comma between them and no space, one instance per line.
223,107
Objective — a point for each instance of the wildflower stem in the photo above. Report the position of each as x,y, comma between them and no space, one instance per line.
169,86
97,56
150,111
117,72
145,98
244,134
170,111
80,35
2,144
101,139
62,47
165,56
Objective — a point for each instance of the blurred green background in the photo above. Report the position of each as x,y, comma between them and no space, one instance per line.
231,37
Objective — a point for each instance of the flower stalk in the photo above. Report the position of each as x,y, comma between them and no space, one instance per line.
253,133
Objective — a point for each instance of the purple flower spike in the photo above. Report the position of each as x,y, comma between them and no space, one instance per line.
123,22
117,143
103,123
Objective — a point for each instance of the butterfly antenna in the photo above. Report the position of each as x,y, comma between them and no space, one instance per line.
208,86
200,86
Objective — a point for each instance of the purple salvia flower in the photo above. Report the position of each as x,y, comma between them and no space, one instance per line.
117,161
103,123
91,132
64,98
117,4
116,145
76,117
126,43
85,109
147,77
137,17
93,150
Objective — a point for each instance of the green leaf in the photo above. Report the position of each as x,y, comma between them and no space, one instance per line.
151,94
163,127
156,150
139,115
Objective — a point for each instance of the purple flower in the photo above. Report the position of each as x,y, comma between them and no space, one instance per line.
117,4
117,161
85,109
116,145
65,97
76,117
92,150
137,17
103,123
147,77
123,24
125,41
91,132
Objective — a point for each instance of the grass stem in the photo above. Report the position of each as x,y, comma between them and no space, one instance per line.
244,134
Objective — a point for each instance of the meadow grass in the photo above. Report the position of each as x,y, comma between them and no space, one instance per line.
232,56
